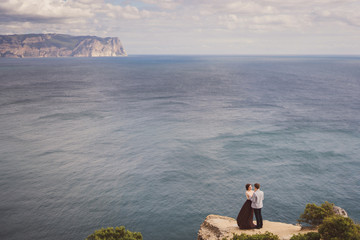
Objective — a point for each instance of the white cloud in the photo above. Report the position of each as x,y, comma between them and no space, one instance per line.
44,10
166,24
126,12
165,4
248,7
338,15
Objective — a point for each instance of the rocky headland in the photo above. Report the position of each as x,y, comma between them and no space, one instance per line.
216,227
59,45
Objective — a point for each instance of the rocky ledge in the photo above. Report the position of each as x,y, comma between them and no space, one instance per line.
59,45
216,227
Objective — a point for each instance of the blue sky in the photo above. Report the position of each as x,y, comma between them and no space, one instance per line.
197,27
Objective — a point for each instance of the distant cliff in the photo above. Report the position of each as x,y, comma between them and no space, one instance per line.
59,45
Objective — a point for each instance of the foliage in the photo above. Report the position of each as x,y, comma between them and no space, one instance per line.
258,236
306,236
119,233
314,214
339,228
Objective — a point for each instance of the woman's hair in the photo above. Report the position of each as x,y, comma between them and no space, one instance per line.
247,186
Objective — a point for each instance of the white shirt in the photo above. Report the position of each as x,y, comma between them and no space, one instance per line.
257,199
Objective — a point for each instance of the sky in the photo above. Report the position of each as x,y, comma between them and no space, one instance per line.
214,27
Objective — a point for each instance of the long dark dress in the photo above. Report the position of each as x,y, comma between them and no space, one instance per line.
246,216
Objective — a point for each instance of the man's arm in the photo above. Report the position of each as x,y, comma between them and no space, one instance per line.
253,197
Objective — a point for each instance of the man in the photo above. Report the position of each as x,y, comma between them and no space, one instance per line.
257,203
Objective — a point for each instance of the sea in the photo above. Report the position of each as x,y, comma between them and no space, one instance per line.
157,143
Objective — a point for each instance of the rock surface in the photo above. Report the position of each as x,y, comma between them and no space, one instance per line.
216,227
59,45
339,211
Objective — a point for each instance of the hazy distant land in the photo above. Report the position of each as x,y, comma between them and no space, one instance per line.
59,45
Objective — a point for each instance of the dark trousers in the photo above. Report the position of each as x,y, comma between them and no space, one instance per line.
259,222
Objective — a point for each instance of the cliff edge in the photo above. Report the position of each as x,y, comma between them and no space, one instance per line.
59,45
216,227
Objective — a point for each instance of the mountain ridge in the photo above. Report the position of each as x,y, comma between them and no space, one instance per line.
59,45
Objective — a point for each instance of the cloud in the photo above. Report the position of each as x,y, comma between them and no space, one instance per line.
260,23
43,11
230,14
51,11
165,22
164,4
248,7
345,16
271,14
126,12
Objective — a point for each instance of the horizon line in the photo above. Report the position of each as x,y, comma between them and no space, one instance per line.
247,55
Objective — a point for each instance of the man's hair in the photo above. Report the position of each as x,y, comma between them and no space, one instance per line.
247,186
257,185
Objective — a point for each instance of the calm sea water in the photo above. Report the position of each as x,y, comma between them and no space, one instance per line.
156,143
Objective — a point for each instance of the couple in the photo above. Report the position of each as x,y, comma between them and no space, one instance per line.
253,204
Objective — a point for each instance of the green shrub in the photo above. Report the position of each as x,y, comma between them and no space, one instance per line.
119,233
339,228
258,236
306,236
314,214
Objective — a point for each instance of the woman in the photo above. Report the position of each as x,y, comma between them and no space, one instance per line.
246,214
